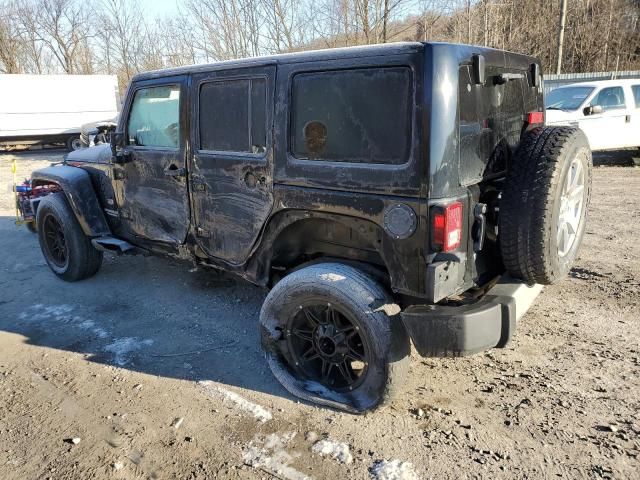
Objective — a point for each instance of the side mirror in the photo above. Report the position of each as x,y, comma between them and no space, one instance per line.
117,142
592,110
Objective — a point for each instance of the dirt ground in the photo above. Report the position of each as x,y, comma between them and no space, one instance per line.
155,370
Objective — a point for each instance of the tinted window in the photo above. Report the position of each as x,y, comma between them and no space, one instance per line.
636,94
609,98
233,116
352,115
567,98
154,120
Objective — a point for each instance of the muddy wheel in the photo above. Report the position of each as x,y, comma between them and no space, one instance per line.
544,205
65,247
331,336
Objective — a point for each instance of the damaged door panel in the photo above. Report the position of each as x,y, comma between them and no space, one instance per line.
150,170
231,180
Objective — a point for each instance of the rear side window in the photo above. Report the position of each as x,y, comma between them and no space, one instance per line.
154,120
360,116
610,98
636,94
233,116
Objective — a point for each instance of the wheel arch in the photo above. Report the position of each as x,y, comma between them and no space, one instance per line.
78,190
294,238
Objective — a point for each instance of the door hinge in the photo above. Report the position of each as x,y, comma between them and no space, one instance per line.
198,184
201,232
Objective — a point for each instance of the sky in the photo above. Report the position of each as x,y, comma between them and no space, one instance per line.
158,8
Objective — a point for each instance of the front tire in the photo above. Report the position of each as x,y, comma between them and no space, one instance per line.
66,249
331,335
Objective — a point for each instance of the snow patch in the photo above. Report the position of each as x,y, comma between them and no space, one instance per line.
331,277
90,325
390,309
336,450
393,470
258,411
39,312
122,347
268,453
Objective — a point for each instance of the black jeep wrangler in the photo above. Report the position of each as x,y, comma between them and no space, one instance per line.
385,194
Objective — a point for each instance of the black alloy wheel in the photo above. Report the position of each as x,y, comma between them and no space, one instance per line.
326,346
55,242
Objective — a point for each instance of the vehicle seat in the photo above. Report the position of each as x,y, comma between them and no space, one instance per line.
611,99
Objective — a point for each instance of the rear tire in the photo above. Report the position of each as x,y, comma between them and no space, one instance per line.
66,249
544,204
356,339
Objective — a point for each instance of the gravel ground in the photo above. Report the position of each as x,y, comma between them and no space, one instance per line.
153,370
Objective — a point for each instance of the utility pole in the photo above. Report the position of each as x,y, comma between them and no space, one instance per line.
563,19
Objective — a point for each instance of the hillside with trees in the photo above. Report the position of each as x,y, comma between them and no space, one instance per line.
117,37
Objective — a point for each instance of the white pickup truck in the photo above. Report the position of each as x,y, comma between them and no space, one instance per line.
41,109
608,111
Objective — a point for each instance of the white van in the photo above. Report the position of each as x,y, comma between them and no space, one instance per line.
40,109
608,111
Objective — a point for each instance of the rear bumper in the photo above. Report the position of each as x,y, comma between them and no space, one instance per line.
441,331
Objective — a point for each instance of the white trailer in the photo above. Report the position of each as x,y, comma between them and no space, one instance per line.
42,109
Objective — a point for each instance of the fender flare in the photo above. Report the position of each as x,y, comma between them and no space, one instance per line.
78,190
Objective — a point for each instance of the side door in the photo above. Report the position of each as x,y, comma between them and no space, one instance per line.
231,168
633,134
150,177
606,130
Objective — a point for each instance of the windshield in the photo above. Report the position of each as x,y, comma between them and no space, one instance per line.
568,98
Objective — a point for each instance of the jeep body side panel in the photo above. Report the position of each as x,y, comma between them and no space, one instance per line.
331,224
77,187
355,196
232,162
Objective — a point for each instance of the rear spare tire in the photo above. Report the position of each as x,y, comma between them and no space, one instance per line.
331,335
544,204
66,249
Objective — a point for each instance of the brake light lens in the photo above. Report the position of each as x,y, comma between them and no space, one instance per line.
447,227
535,118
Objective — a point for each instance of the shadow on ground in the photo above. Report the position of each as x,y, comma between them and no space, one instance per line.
619,158
148,314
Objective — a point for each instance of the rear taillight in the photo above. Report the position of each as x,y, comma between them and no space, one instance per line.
535,118
446,226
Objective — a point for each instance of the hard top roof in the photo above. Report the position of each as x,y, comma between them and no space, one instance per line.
305,56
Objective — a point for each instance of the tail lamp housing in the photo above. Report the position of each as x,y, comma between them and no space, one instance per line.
446,226
535,118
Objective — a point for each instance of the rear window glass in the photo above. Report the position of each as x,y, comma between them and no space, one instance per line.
361,116
636,94
233,116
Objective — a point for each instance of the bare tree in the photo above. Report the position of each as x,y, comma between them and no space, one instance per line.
118,37
11,46
62,26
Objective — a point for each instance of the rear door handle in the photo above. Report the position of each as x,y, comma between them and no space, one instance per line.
174,171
